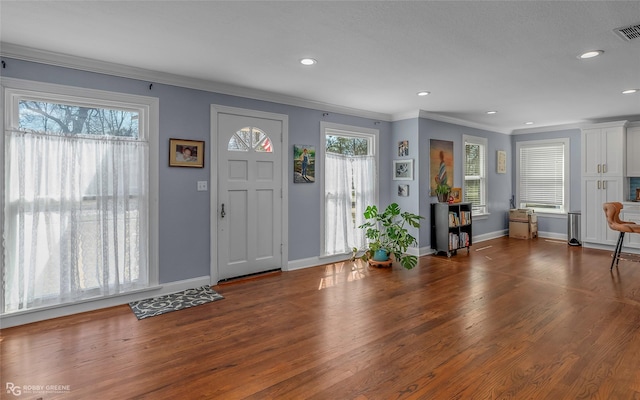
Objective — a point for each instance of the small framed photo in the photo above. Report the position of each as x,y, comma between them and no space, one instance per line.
501,162
403,170
186,153
456,193
403,190
403,148
304,170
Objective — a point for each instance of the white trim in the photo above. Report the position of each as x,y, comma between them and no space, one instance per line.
85,64
484,142
41,314
346,130
217,109
30,54
489,236
461,122
149,127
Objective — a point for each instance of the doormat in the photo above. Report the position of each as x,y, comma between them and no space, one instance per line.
174,302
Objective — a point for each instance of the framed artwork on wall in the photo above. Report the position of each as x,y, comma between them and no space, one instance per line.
402,170
403,190
501,162
403,148
440,164
186,153
304,163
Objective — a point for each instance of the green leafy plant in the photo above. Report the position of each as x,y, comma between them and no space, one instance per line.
442,191
388,230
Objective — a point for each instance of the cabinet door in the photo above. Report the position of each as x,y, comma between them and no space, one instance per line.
592,213
633,151
613,141
631,239
612,191
591,152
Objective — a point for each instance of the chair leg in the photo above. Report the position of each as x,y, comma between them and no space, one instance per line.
616,253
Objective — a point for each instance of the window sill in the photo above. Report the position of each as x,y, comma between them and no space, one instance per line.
480,216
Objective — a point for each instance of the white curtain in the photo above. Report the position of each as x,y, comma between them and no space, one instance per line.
341,172
76,218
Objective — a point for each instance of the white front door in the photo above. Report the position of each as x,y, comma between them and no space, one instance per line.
250,193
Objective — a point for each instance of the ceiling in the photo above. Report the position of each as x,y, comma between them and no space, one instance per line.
518,58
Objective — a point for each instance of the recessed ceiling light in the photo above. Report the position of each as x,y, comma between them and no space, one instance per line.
630,91
424,93
308,61
528,123
492,112
591,54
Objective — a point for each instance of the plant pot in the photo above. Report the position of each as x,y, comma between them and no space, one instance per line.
443,197
380,255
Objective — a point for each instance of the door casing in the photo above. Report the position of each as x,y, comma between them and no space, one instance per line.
216,110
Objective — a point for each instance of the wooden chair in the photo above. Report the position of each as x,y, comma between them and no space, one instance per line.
612,212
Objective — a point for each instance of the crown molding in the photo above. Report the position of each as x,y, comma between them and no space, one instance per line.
462,122
542,129
10,50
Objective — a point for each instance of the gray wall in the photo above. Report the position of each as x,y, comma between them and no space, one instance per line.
499,185
184,213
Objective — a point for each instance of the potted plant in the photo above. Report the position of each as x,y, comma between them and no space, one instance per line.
388,233
442,191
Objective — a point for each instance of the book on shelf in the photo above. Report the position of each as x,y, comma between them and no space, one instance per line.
465,217
454,220
458,240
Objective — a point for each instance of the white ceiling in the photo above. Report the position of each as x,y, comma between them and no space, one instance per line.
516,57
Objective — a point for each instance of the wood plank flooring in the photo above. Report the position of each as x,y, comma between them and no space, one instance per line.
513,319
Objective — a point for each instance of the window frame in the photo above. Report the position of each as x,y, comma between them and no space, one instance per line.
566,175
483,209
329,128
14,90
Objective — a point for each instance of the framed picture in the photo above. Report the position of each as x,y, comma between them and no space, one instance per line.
440,164
402,170
501,162
403,148
403,190
456,193
186,153
304,170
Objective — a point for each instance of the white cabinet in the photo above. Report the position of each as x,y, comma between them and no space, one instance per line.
633,151
597,191
603,178
603,151
631,239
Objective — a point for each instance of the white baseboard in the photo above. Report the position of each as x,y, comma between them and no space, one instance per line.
50,312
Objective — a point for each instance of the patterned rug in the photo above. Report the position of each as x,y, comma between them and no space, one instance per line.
174,302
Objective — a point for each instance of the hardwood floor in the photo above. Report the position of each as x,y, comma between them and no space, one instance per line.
514,319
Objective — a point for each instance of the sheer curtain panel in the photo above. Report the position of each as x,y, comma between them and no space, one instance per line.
349,189
76,217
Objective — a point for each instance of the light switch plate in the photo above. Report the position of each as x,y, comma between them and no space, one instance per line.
202,186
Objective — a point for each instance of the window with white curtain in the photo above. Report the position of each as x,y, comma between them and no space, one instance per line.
77,194
349,186
542,171
475,173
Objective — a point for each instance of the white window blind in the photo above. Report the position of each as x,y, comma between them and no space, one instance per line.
542,176
475,168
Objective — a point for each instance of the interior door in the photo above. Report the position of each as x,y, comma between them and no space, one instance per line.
249,227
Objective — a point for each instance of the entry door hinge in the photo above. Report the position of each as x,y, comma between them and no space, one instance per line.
280,248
